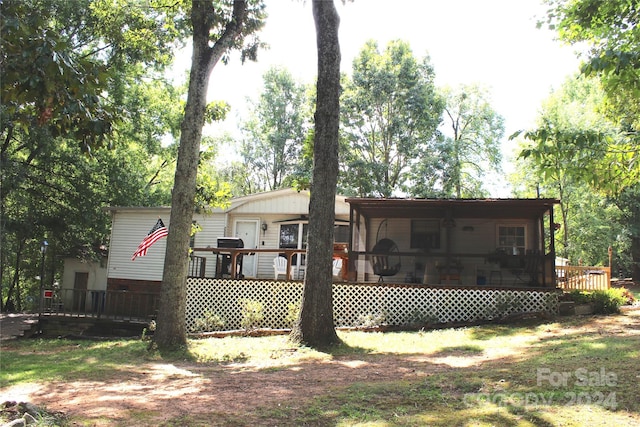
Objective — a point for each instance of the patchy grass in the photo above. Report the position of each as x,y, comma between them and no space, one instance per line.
257,351
49,360
571,372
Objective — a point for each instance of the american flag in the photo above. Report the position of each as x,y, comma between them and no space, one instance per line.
156,233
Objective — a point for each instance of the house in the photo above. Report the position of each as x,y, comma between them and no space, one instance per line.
270,223
499,242
455,260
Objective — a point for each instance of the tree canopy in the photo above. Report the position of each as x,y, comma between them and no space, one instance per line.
391,113
73,80
466,152
567,155
609,34
276,129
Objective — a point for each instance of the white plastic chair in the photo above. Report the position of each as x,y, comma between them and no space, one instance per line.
280,267
337,267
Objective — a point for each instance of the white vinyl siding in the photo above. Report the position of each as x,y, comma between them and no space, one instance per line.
131,225
128,229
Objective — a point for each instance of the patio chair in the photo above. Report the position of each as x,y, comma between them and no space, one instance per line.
386,261
529,270
280,267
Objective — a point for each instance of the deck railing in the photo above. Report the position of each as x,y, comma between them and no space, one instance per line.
197,266
582,278
119,305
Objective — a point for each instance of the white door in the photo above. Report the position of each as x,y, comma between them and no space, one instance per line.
247,230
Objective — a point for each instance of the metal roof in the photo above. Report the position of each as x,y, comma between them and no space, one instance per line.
457,208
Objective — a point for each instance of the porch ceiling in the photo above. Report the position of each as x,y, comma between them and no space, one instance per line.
457,208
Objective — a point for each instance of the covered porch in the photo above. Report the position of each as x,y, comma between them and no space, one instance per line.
461,242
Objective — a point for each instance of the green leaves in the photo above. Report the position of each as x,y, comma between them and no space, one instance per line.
75,78
609,35
216,111
65,60
275,134
471,147
390,115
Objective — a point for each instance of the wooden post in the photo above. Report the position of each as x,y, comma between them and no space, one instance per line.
610,275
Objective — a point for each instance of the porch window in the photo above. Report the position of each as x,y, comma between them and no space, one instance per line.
289,236
425,234
341,234
512,239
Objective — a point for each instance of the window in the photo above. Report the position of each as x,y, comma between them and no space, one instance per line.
425,234
512,239
290,235
341,234
291,238
294,236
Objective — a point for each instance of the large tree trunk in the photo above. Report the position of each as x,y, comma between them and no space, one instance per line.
171,328
171,325
635,257
315,322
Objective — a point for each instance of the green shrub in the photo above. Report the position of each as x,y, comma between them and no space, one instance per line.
293,310
609,301
371,320
580,297
252,314
604,302
208,322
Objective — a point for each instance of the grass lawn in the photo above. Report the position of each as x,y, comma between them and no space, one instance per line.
571,371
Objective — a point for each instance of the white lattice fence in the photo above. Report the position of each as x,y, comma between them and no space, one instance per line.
224,297
402,305
355,303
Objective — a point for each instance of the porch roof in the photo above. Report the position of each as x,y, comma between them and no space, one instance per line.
455,208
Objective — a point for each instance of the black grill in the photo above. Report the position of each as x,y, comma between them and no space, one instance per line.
223,261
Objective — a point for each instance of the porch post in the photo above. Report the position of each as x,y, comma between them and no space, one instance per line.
289,255
351,263
552,245
541,249
448,225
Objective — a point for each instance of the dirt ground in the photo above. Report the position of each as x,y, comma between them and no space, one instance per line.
190,389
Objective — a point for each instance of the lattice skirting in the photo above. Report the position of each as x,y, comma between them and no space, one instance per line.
362,304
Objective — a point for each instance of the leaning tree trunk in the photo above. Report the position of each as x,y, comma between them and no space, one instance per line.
171,326
314,326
